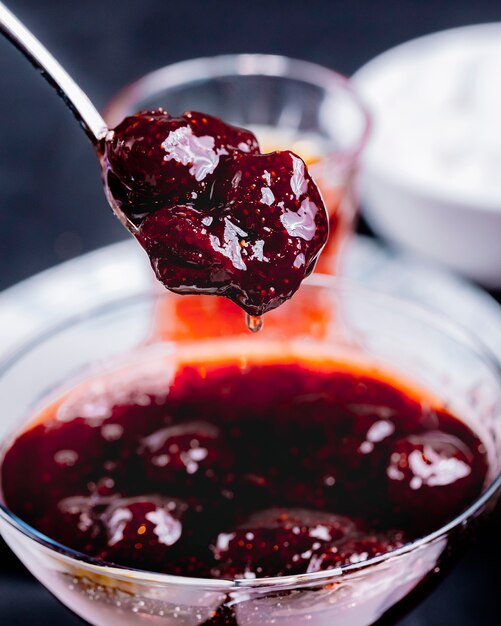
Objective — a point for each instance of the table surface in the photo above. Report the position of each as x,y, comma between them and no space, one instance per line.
51,201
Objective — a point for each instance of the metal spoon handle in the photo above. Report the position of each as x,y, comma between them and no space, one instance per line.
83,109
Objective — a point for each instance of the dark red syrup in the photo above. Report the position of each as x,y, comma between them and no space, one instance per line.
242,472
214,214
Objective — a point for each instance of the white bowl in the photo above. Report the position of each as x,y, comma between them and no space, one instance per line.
431,175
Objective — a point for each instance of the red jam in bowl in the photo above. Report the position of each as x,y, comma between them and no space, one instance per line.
231,471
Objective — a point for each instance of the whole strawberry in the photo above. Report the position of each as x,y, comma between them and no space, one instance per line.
214,215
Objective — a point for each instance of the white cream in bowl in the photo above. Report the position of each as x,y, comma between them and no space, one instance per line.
432,171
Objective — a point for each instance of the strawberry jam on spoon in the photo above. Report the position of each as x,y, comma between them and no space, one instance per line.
214,214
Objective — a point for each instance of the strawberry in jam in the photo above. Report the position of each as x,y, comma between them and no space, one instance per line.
277,542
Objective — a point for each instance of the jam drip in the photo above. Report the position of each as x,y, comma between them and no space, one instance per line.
227,472
214,214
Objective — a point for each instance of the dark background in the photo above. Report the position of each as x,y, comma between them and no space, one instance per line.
51,201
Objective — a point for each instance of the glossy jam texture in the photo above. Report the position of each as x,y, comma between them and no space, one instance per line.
214,214
223,471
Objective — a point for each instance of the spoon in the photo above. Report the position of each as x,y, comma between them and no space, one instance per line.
77,101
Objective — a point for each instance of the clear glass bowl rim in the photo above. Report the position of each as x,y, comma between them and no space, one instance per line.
437,320
203,68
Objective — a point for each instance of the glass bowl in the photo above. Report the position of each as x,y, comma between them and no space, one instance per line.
289,104
324,317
